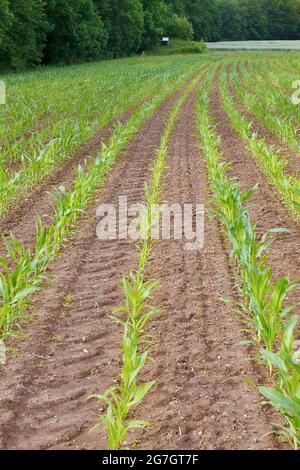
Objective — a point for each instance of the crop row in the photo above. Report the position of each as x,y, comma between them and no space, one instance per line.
89,110
274,108
57,94
262,300
137,311
269,159
23,270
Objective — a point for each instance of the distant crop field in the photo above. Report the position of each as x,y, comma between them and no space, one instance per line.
255,45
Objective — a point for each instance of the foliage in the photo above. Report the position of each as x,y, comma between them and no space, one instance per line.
155,13
76,31
68,31
179,27
124,23
270,160
179,46
136,312
5,19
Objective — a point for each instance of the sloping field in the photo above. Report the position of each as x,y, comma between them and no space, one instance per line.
160,346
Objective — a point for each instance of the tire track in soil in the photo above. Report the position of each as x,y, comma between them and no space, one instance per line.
199,400
70,353
266,207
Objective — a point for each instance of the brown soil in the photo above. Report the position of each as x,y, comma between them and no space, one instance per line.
266,207
199,400
71,350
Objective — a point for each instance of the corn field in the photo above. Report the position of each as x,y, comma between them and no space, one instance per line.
139,343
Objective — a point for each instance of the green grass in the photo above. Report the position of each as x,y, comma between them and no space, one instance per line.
179,46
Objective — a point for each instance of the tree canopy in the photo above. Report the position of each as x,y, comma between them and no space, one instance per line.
68,31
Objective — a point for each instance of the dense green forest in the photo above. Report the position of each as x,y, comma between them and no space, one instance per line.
68,31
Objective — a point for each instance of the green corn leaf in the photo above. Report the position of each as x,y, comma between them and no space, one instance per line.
25,293
138,424
281,402
140,393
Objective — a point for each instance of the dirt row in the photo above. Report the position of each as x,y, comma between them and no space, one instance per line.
200,400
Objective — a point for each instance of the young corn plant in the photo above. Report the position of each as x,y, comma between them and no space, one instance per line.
285,394
23,273
270,161
39,136
137,312
264,104
263,301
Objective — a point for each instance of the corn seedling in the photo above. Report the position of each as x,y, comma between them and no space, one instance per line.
285,396
263,301
27,274
269,160
136,313
56,131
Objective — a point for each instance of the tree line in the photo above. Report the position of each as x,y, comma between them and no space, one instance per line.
70,31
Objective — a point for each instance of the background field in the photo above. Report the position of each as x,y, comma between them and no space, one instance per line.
255,45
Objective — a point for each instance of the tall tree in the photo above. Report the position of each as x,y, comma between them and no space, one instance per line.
25,33
5,19
176,6
179,27
124,22
77,32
